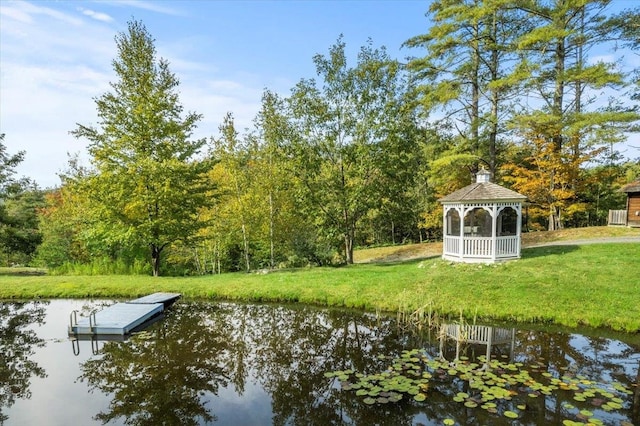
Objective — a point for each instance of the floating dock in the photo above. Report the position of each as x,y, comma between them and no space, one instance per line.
122,318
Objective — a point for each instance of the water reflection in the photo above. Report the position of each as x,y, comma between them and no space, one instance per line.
468,337
230,364
163,376
17,345
594,362
172,373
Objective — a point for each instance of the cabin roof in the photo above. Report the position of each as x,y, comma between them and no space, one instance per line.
483,191
631,187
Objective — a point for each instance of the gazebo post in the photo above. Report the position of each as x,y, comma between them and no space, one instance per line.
494,233
519,225
462,215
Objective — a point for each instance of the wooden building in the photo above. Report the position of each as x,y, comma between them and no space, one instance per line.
633,203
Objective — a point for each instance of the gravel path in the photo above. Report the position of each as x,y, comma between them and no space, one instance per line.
601,240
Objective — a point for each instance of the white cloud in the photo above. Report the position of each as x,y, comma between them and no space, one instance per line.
53,64
146,5
98,16
15,14
24,11
52,71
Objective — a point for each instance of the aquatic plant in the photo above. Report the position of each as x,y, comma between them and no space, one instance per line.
496,386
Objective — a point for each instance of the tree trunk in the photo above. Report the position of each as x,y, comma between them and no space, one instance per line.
393,233
495,100
199,267
245,240
348,247
155,259
271,231
558,96
475,93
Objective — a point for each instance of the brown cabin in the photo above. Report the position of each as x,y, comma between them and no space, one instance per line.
633,202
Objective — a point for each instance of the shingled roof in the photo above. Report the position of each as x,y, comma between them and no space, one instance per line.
482,192
631,187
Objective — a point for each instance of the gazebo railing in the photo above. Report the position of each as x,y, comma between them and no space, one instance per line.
478,333
478,246
482,247
507,246
451,245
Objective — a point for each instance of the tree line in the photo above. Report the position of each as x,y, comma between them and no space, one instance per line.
356,156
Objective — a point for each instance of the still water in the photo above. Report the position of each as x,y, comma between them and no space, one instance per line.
241,364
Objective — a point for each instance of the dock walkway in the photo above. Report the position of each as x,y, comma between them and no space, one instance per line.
121,318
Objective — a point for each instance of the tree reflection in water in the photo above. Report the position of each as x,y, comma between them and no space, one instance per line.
161,377
173,372
18,341
170,374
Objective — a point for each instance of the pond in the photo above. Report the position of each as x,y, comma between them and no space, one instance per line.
250,364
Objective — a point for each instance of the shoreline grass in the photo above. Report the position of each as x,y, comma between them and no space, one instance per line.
593,285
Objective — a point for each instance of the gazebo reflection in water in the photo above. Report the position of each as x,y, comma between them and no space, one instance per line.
474,341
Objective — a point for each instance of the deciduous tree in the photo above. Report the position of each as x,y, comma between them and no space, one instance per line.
20,200
341,123
149,179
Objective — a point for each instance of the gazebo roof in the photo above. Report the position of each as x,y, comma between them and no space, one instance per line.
482,192
631,187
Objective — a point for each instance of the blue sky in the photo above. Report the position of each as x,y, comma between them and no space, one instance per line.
55,58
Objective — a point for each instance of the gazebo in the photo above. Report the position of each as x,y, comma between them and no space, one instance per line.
482,222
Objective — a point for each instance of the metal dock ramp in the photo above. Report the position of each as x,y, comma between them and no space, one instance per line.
121,318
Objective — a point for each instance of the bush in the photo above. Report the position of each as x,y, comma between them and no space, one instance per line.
103,266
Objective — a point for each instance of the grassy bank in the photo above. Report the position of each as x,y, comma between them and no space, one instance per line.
595,285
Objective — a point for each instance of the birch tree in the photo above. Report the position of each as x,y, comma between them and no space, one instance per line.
341,122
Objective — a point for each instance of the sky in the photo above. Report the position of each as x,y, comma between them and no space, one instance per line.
56,58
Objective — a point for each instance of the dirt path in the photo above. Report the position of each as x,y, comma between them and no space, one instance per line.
600,240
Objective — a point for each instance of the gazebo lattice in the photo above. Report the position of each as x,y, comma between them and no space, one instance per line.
482,222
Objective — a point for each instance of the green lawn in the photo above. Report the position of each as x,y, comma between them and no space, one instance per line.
594,285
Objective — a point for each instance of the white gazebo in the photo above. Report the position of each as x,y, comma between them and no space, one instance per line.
482,222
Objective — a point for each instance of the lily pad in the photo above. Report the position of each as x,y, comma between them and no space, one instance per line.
511,414
420,397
